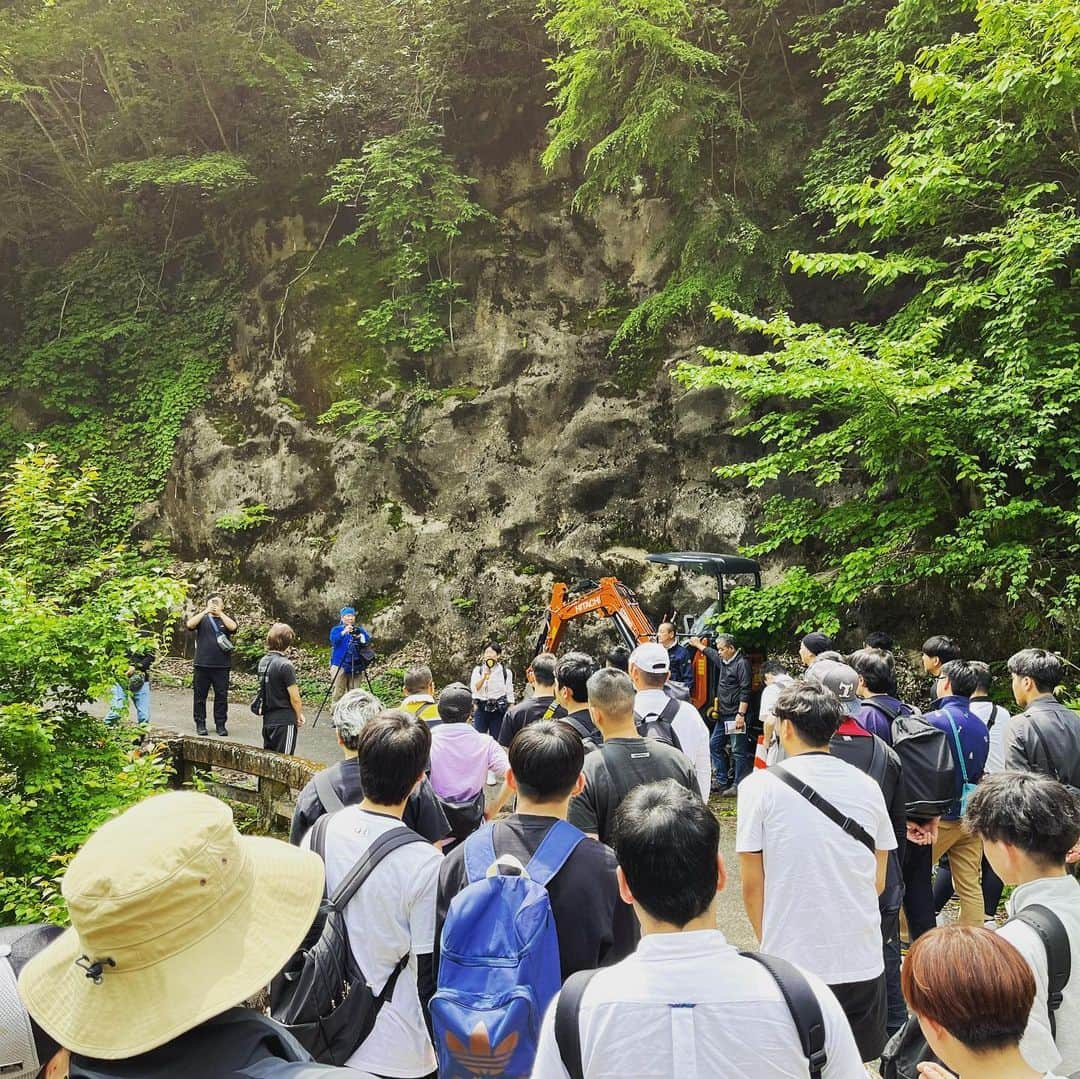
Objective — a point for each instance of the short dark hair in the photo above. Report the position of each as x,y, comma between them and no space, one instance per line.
393,751
573,672
612,693
873,668
961,677
877,639
619,658
983,677
815,712
1042,667
773,666
943,648
214,595
279,636
547,758
1031,811
666,840
417,679
816,643
543,668
973,982
493,645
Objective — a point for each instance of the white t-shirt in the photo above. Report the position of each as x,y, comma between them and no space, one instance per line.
500,683
1039,1048
635,1022
688,726
982,707
392,915
821,900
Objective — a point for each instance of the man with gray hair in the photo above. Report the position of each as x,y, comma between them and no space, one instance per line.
729,744
339,785
625,760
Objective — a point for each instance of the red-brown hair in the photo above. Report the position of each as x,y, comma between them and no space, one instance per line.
971,981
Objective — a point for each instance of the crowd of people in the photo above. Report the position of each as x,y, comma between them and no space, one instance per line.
576,935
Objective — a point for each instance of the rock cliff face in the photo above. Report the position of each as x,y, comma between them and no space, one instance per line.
541,461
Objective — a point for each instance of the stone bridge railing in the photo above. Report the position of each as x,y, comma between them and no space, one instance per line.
269,782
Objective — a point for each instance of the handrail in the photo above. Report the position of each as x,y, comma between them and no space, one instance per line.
278,777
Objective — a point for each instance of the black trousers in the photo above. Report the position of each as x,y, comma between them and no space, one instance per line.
203,678
280,737
918,892
864,1004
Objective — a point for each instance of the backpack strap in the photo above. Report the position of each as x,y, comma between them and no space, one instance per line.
555,848
549,712
804,1006
578,726
959,748
852,827
318,836
324,788
480,853
1050,930
422,711
384,845
568,1022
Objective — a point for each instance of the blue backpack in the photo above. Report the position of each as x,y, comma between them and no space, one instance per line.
499,959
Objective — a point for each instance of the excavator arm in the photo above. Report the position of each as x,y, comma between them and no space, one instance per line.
610,598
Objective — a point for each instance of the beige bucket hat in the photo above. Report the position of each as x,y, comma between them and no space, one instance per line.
175,918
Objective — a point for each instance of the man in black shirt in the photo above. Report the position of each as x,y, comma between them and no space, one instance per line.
340,783
212,662
541,705
572,674
282,710
594,927
625,760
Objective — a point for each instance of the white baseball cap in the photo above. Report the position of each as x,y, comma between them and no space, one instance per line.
651,658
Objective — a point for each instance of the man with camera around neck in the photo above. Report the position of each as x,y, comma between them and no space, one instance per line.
213,630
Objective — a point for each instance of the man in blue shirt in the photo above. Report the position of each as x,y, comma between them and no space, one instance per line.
969,741
349,653
679,656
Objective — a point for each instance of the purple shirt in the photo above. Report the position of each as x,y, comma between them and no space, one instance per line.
460,759
874,719
974,742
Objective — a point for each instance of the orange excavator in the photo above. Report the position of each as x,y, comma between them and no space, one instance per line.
610,598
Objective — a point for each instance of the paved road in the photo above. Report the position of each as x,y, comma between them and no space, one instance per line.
172,708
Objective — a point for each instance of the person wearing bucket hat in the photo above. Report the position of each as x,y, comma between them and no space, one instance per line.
26,1051
175,920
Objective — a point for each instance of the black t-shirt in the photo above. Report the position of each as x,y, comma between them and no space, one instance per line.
528,711
207,652
277,674
423,811
594,926
582,723
615,769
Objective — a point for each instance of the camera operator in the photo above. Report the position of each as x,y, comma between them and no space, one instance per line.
492,689
213,630
349,654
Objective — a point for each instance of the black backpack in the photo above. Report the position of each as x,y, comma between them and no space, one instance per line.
321,995
589,739
927,759
658,724
800,998
907,1048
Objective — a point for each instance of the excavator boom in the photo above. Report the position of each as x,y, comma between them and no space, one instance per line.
609,598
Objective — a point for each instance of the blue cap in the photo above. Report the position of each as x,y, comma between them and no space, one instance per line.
348,610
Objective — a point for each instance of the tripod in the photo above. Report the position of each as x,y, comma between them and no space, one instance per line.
351,659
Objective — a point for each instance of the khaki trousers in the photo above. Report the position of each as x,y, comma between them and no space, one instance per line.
965,861
343,683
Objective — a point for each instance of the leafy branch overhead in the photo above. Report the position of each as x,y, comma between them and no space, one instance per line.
958,411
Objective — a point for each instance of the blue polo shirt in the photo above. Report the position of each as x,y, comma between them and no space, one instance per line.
974,742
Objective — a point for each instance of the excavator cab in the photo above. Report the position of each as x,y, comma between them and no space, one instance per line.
610,598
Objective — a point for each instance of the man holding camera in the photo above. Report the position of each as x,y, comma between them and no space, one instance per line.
213,661
348,645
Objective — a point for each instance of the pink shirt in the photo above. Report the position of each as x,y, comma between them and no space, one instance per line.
460,759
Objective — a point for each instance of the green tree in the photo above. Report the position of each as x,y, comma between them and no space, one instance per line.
66,624
940,436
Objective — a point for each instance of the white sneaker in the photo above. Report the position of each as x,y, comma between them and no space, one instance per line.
491,778
990,923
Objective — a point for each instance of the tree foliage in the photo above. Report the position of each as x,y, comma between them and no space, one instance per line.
66,625
939,440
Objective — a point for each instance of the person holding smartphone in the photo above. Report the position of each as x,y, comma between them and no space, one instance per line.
213,629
